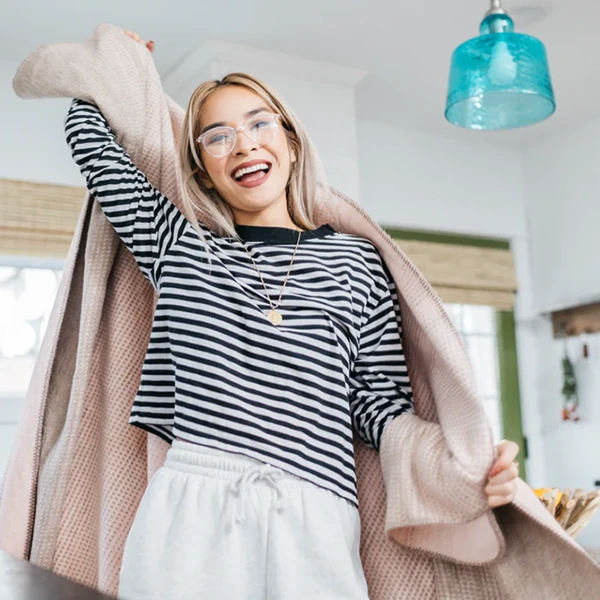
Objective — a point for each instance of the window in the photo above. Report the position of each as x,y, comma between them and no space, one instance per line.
477,325
27,292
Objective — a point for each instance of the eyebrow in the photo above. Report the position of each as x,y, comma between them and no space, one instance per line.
249,114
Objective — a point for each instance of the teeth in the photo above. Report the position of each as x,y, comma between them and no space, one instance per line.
241,172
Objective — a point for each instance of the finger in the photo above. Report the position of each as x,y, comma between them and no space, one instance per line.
503,489
509,474
495,501
150,46
501,499
507,453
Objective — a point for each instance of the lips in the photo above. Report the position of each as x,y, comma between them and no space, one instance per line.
248,164
252,180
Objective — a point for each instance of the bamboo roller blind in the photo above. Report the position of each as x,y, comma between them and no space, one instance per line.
39,220
465,274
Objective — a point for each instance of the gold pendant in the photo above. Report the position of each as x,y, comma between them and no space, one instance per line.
274,317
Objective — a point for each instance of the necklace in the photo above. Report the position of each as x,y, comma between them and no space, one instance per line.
274,316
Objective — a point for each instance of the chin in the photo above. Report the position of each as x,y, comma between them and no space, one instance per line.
259,198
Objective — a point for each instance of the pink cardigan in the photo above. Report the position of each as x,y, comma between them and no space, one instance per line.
78,469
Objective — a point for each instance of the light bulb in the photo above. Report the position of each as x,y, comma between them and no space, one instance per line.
503,67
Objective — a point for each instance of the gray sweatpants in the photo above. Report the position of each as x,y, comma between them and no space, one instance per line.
213,525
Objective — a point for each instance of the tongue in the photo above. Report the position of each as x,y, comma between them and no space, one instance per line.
253,176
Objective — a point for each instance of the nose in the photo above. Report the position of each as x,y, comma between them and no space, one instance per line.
243,143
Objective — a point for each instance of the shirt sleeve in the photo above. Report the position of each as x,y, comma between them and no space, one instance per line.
147,222
379,383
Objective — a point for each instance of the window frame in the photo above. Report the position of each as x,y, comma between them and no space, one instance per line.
508,370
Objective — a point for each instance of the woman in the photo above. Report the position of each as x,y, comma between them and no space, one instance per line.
258,392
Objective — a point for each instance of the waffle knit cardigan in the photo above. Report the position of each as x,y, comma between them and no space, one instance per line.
78,470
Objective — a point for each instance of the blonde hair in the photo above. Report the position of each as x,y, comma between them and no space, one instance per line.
307,179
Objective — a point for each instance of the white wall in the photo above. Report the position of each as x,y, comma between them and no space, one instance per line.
562,190
421,181
31,139
562,203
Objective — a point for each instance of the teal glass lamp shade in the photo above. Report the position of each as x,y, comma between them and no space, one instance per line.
500,79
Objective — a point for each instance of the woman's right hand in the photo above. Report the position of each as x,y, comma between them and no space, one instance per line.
134,36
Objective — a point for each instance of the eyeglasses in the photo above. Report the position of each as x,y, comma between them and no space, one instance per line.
260,129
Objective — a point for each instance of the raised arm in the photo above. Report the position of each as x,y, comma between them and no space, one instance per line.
147,222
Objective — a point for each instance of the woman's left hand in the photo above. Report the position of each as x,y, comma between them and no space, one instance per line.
502,478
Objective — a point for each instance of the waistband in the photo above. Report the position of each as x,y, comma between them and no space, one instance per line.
206,461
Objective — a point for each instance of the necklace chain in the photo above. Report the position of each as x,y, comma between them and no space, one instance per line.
274,316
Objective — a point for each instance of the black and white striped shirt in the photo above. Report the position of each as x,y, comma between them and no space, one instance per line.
217,372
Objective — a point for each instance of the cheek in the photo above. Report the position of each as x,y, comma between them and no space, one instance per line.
282,152
215,169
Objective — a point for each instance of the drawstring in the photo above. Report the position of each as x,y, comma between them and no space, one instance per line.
265,473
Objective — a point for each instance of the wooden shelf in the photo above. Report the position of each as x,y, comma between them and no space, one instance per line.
576,321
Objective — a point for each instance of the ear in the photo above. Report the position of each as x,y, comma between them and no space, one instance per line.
292,156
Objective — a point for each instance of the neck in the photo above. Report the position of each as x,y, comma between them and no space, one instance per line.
263,223
275,215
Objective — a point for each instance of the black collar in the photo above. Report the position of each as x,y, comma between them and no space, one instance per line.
280,235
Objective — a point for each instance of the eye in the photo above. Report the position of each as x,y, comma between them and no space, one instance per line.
218,137
261,124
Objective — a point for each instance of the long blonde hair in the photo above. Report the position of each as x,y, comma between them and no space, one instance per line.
307,178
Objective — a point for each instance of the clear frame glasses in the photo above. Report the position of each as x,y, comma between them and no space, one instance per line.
260,129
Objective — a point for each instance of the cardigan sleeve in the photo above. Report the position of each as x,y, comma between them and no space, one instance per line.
380,387
147,222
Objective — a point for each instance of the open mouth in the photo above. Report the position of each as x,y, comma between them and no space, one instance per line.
252,175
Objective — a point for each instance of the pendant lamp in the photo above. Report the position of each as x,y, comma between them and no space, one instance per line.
500,79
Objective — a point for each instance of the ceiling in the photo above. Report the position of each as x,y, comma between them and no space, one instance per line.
404,46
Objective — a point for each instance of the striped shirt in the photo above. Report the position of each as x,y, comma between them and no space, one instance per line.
217,372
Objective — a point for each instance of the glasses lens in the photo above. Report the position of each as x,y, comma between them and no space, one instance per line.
219,141
262,128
